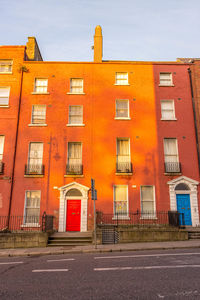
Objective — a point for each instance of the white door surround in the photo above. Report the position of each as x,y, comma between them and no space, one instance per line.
192,191
63,204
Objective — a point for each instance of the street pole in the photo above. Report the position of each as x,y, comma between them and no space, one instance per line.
94,198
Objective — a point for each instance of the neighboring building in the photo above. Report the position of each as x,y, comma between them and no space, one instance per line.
127,124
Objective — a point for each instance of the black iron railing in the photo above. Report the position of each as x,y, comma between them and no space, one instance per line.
124,167
138,218
172,167
43,223
34,169
1,167
74,169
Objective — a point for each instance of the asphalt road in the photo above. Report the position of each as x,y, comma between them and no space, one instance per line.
167,274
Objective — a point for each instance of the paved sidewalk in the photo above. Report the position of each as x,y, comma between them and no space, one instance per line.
100,248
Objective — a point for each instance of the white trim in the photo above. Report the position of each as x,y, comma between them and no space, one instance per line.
63,205
192,184
75,125
37,125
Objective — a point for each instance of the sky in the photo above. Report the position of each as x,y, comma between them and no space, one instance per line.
149,30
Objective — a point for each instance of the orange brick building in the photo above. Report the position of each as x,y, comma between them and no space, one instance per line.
127,124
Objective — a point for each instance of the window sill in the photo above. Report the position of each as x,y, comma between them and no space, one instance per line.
75,93
118,118
172,174
6,73
121,84
37,125
175,119
73,176
30,225
166,85
75,125
121,218
148,218
34,175
123,174
44,93
4,106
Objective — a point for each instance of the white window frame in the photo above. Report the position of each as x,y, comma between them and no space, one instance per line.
71,87
128,110
32,115
38,86
3,143
148,216
6,62
126,82
173,110
125,216
170,80
25,202
125,139
75,124
177,155
6,104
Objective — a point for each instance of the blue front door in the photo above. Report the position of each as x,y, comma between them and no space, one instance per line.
183,206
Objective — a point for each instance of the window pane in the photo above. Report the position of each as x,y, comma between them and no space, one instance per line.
41,85
165,78
75,114
38,114
4,95
32,208
121,78
147,199
5,66
170,150
74,153
120,199
35,153
147,193
2,138
122,108
76,85
167,109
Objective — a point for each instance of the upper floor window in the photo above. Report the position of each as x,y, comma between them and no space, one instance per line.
123,156
166,79
172,164
167,110
4,96
41,85
122,109
38,114
32,207
147,201
76,85
75,114
35,157
121,78
74,161
5,66
2,138
121,200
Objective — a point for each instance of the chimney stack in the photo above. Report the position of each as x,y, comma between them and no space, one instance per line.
98,44
32,49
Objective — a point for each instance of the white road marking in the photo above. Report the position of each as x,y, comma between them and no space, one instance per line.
146,268
146,255
64,259
50,270
11,263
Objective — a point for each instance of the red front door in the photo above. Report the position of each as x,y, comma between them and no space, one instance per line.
73,215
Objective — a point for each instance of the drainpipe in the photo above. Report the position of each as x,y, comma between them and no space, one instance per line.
195,119
22,69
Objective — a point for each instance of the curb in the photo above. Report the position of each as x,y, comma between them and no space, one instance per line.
86,251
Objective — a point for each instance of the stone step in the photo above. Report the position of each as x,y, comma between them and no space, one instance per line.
72,241
193,235
66,245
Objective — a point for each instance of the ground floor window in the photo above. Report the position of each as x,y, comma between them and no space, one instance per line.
121,200
32,207
147,201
